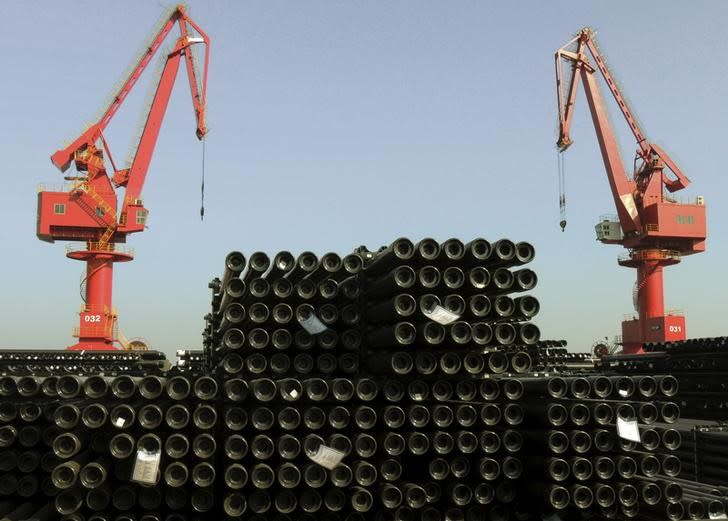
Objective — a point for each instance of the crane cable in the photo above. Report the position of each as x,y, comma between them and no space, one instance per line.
562,189
202,186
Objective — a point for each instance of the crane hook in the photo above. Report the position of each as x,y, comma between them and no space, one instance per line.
562,190
202,186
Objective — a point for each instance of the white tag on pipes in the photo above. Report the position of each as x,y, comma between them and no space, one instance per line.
327,457
119,422
717,516
313,325
441,315
146,467
628,430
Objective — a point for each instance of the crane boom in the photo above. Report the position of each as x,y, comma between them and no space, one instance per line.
656,229
88,212
63,157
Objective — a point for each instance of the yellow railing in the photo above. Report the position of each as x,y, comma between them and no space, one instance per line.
97,246
101,203
650,254
92,331
57,187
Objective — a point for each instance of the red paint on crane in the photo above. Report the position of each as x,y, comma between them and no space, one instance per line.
657,230
88,211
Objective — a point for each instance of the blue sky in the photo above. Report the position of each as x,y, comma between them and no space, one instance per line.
334,124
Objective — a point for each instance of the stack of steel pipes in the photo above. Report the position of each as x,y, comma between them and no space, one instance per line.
381,384
406,384
699,364
26,459
108,448
610,448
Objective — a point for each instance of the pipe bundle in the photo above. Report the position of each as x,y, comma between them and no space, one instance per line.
404,384
381,384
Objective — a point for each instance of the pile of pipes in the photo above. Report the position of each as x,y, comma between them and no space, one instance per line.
699,364
376,383
103,448
404,384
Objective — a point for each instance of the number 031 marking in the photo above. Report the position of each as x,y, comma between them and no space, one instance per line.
675,329
92,318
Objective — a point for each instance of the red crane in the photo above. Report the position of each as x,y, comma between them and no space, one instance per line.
88,211
656,229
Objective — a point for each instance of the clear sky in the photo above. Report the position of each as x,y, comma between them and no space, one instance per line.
334,124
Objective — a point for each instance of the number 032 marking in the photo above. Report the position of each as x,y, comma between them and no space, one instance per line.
92,318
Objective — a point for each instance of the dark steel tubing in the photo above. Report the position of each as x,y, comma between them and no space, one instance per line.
234,504
176,474
352,264
66,445
497,362
582,497
67,386
390,496
204,446
527,306
428,277
234,266
401,250
524,280
282,263
258,264
528,334
501,281
178,387
258,288
95,387
177,416
525,253
398,280
121,446
150,416
231,291
282,288
177,445
401,334
479,306
350,288
314,475
504,333
236,389
452,278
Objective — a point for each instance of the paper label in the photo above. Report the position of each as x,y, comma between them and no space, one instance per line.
441,315
146,467
628,429
327,457
623,392
119,422
313,325
289,394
